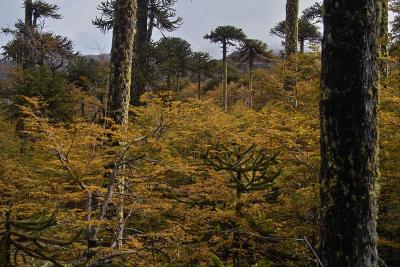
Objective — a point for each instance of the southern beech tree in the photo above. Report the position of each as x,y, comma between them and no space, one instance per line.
349,133
121,61
226,36
291,43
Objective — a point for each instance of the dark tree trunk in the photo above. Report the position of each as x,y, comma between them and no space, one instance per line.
384,40
199,85
225,76
28,12
152,17
177,82
140,59
251,66
302,45
291,42
349,133
121,61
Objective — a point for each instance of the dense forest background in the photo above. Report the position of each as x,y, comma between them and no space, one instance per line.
158,155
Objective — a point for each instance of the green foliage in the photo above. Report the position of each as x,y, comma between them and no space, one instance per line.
313,13
227,35
217,262
307,31
172,57
249,168
49,86
251,50
31,46
42,9
161,13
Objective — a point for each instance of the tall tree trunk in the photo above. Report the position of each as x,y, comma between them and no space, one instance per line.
291,42
120,79
225,77
302,45
251,83
384,40
152,17
199,85
121,61
177,82
28,12
140,59
349,133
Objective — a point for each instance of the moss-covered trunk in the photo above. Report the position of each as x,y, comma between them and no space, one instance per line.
349,133
121,61
291,41
140,59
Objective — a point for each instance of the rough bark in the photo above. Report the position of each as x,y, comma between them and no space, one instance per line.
349,133
292,27
291,42
28,12
121,61
140,59
384,39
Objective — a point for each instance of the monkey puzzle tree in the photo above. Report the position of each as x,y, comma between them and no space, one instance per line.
349,133
24,238
151,14
226,36
200,64
34,10
140,60
30,45
250,51
313,13
250,169
291,43
307,32
173,58
121,60
384,39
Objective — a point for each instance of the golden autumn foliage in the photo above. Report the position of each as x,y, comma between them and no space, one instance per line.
179,210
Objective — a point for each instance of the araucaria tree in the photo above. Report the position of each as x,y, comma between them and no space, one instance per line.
308,32
173,59
121,61
250,51
151,14
200,64
30,45
349,133
291,42
226,36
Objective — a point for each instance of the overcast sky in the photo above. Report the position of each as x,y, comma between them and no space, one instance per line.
255,17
